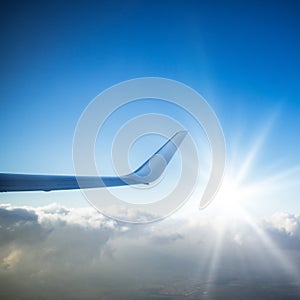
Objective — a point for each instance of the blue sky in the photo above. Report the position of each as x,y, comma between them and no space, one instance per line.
55,58
242,57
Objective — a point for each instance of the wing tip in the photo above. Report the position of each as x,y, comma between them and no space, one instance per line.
154,167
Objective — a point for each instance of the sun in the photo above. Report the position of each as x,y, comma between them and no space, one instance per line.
230,197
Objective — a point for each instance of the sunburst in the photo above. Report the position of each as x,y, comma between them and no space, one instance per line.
230,209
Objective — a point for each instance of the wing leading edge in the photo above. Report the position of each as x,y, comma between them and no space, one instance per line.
148,172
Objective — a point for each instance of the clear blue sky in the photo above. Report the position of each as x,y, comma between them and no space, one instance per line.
242,56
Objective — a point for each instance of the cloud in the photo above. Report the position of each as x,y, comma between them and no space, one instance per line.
284,222
167,238
51,244
284,229
12,259
57,252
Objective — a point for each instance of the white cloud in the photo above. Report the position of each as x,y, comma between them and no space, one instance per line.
12,259
237,238
53,251
288,223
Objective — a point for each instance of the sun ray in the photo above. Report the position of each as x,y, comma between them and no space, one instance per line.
272,247
214,259
234,191
281,179
254,150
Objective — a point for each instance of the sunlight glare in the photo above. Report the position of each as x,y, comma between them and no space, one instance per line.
229,198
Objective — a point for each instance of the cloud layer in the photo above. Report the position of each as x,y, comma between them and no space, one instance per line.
53,251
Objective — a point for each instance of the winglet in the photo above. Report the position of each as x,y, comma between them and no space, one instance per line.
153,168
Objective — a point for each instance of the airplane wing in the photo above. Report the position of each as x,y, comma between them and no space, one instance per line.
148,172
